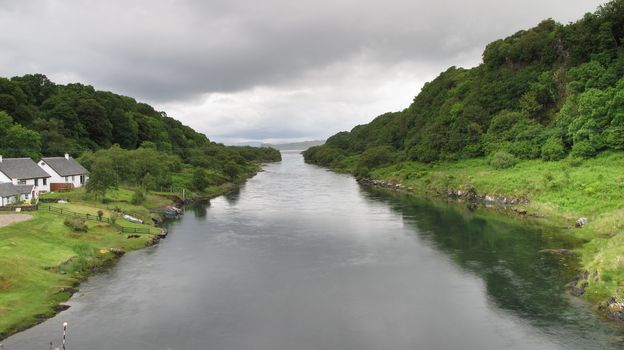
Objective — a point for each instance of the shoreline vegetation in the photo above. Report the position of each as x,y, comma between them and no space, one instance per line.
557,193
538,126
44,259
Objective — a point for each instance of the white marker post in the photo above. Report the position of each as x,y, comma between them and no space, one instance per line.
64,333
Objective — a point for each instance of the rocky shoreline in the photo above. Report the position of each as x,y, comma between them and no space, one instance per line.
612,309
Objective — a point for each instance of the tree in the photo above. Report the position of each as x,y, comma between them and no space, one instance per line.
102,177
200,180
231,170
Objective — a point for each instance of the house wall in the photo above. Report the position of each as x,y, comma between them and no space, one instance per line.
4,201
39,188
56,178
4,178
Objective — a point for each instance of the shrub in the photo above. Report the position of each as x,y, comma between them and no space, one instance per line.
376,157
553,149
76,224
503,160
138,197
583,149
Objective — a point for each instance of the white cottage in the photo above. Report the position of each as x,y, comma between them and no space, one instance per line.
66,173
21,178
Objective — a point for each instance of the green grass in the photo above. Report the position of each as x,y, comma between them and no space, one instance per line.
42,257
563,191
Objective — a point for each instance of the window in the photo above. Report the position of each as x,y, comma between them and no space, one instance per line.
21,182
26,197
45,182
66,179
72,178
36,182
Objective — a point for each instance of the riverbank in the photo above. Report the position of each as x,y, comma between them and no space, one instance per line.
561,192
43,260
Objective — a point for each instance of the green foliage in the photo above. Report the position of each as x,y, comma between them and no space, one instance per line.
537,94
376,157
583,149
503,160
231,170
138,197
553,149
102,177
76,224
200,179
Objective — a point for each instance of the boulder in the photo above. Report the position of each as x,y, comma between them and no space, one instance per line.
117,251
581,222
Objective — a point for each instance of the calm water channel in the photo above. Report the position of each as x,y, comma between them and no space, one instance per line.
305,259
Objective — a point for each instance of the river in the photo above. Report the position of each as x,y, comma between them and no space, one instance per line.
302,258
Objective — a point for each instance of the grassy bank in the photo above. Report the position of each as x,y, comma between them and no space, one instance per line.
42,260
562,191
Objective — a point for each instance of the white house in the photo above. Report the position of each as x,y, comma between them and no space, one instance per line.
21,177
65,172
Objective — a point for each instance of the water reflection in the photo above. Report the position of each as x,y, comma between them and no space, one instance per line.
508,254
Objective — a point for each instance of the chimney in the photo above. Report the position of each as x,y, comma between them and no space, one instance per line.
66,155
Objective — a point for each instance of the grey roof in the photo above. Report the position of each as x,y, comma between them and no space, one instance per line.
64,166
22,168
8,190
24,189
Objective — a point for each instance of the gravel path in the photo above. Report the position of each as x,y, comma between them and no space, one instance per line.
12,218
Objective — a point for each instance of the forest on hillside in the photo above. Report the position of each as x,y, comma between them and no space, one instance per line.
142,146
548,92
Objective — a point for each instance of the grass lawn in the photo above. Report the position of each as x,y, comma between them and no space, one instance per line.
41,258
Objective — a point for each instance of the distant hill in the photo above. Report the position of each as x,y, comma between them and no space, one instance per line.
294,146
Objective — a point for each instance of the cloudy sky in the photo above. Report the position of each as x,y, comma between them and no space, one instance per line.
270,70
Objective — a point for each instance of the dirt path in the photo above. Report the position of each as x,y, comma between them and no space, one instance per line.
13,218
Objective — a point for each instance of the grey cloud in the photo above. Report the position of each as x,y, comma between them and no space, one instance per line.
177,50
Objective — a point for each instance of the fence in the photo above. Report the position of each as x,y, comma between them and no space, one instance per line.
74,214
90,217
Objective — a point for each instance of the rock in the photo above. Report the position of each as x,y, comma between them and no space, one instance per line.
117,251
562,251
578,291
60,307
581,222
614,310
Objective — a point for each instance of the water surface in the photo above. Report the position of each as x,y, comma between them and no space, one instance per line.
302,258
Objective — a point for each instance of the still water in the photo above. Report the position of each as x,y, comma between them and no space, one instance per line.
302,258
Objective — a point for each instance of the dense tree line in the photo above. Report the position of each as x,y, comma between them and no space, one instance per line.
545,93
130,140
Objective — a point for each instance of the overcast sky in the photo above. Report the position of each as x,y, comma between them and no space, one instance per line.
270,70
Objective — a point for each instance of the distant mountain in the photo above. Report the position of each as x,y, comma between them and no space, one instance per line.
294,146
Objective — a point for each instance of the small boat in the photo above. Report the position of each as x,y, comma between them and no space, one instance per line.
172,212
132,219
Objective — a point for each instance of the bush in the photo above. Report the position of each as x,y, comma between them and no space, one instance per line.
503,160
138,197
76,224
583,149
376,157
553,149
